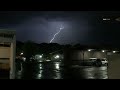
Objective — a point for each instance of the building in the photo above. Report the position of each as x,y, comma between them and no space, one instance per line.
7,51
72,56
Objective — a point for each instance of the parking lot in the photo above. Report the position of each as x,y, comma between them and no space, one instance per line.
53,70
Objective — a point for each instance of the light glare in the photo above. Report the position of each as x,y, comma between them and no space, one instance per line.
114,51
57,56
21,53
103,50
89,50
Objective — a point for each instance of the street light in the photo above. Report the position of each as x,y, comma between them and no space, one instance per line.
114,51
57,56
40,56
21,53
89,50
106,19
103,50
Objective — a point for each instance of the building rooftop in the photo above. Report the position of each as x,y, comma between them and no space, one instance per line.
7,31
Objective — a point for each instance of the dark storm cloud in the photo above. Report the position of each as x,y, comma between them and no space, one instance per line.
79,26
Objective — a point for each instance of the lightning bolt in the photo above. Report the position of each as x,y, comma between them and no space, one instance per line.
56,34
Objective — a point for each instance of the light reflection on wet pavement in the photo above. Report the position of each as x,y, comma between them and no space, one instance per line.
53,70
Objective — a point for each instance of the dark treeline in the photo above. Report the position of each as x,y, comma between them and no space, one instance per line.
30,48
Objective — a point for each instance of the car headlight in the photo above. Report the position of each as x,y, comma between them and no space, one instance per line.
57,56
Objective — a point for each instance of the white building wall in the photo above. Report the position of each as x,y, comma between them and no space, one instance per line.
4,52
99,54
91,54
114,66
7,54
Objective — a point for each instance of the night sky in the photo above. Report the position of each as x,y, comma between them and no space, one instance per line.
84,27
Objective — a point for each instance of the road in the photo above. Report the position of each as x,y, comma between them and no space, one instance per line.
53,70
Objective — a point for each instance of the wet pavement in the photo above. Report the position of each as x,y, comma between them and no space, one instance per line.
53,70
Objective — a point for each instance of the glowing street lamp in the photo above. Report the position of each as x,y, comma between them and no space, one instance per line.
114,51
40,56
103,50
21,53
57,56
106,19
89,50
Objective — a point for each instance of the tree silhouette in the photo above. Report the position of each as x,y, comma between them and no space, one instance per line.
30,48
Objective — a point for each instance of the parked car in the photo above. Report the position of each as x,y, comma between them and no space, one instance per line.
98,62
95,61
92,61
104,61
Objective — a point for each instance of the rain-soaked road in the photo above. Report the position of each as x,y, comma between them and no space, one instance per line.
53,70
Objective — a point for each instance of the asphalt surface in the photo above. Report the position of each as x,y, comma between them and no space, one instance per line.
53,70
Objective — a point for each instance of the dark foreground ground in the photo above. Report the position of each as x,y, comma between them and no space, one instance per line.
53,70
4,74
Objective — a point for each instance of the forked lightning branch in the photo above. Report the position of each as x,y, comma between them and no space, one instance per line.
56,34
